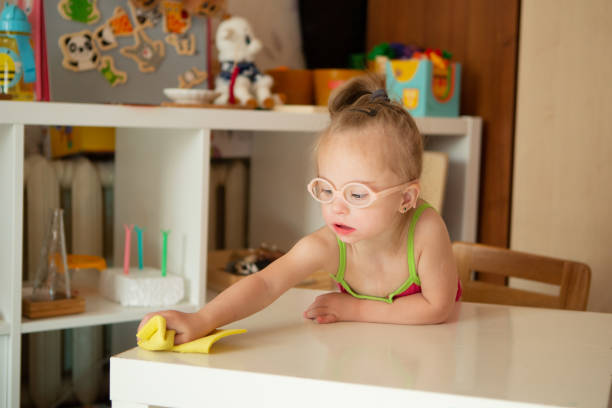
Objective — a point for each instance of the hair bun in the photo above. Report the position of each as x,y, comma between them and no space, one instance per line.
370,86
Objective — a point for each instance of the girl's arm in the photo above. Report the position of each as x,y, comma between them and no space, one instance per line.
438,275
251,294
413,309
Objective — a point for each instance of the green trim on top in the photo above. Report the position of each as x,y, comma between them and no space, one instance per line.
410,254
412,279
342,263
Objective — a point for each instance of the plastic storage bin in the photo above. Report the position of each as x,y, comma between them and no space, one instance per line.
423,88
326,80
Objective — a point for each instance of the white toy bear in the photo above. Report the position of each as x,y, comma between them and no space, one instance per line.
240,81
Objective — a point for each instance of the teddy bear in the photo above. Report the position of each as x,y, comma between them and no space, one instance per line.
239,81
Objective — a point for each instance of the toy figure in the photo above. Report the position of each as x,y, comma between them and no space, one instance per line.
239,81
206,8
17,65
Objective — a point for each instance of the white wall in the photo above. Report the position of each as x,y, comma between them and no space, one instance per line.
277,25
562,191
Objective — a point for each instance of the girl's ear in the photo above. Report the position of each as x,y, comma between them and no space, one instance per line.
410,197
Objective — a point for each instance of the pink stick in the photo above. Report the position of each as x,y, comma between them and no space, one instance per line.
126,252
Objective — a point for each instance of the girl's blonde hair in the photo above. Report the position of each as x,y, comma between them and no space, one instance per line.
361,103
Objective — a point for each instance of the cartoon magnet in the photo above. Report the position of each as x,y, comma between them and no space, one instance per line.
118,25
145,12
145,4
120,22
105,37
82,11
191,78
79,50
184,44
110,73
206,8
148,54
176,18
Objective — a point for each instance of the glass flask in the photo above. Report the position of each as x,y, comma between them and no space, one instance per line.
52,280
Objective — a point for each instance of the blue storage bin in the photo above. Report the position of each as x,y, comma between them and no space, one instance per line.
424,89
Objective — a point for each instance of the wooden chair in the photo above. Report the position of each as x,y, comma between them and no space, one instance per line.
433,178
573,277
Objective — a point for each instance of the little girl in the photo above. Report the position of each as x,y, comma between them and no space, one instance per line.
390,250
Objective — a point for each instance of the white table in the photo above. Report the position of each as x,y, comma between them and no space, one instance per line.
487,356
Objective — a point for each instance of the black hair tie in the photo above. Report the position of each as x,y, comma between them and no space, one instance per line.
379,93
367,111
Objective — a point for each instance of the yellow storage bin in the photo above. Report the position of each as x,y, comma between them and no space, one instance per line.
67,140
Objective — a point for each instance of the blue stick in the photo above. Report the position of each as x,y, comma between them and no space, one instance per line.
139,232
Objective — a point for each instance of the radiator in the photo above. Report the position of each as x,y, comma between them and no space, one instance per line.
228,204
77,186
85,191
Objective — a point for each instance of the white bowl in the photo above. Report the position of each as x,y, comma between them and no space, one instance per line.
190,96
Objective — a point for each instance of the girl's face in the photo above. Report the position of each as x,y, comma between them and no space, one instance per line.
352,157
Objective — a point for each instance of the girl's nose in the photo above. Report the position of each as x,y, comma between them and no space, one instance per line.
339,206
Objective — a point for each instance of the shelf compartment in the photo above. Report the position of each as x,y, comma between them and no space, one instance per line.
98,311
161,183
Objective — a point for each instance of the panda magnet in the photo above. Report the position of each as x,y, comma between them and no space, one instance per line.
80,51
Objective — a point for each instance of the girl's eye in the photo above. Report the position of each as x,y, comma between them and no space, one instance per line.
326,193
356,196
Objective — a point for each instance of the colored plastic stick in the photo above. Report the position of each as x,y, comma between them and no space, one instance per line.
164,251
126,251
139,234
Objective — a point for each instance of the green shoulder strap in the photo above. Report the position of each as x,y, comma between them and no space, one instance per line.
414,277
339,277
342,260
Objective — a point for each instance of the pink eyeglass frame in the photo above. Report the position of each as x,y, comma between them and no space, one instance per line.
375,195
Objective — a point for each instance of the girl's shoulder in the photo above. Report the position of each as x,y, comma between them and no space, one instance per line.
433,253
430,229
320,247
322,240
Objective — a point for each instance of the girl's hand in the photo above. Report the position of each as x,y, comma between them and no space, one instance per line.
188,326
332,307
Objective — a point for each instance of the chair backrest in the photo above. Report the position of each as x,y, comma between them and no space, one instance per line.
433,178
573,277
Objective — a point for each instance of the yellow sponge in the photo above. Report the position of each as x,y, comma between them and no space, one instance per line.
154,336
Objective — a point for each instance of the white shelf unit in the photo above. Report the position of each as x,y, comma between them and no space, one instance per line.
161,170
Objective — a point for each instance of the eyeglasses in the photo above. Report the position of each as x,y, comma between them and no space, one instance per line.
356,195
